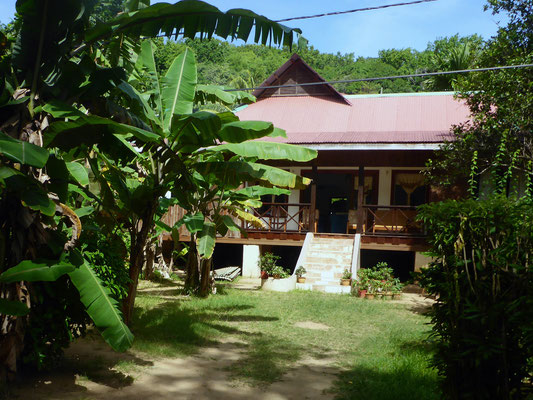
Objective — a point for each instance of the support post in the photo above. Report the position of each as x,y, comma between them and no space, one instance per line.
312,208
360,199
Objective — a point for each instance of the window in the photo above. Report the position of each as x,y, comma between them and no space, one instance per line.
408,188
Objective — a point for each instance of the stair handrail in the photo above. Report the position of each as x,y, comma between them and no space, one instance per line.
303,253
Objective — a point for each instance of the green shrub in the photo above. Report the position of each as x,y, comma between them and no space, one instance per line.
107,254
482,274
277,270
379,278
268,262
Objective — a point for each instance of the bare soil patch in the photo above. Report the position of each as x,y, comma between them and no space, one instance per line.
311,325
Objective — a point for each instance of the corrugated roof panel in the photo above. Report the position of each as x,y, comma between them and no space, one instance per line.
370,119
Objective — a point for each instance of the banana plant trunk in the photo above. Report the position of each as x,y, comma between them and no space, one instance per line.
205,281
150,258
192,279
139,238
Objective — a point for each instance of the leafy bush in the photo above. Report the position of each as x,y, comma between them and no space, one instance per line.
268,262
482,274
376,279
57,317
57,314
107,254
280,271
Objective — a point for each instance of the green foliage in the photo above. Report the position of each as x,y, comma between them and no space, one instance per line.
101,307
482,275
497,144
65,85
268,262
379,278
224,64
13,307
36,271
56,318
107,255
300,271
347,274
279,272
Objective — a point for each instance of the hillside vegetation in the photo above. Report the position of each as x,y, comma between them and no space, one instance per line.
226,64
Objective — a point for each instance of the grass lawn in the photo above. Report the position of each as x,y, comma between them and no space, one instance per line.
379,347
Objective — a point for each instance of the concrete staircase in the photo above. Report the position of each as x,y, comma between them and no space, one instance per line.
325,258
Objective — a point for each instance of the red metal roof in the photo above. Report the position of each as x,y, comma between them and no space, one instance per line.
402,118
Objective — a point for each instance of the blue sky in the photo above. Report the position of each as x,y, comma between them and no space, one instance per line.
364,33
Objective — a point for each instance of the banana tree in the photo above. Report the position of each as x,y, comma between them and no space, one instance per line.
206,174
58,78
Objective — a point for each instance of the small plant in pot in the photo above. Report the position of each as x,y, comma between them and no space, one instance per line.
267,263
300,272
387,289
371,293
397,289
346,277
279,273
362,282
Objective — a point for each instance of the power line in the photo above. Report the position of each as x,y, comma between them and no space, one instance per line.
460,71
356,10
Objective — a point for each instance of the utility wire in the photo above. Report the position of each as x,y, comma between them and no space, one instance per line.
460,71
356,10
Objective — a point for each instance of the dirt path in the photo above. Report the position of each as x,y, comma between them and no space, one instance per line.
206,375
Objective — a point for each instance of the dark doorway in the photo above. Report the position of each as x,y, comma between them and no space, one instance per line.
336,194
402,262
227,255
289,255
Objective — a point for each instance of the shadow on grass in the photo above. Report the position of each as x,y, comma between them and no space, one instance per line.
171,329
402,381
267,359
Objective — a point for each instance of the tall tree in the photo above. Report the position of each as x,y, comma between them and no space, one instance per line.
497,144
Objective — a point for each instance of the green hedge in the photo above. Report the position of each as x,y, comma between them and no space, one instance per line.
482,275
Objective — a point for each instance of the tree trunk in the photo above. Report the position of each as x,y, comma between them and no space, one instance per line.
205,283
192,279
149,265
138,243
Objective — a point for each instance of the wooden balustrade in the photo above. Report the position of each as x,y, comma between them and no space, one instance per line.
284,217
391,220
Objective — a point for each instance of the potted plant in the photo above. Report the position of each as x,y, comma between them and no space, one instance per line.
300,271
346,277
397,289
279,272
267,263
387,289
362,282
370,294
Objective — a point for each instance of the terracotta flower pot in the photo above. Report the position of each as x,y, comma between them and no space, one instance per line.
301,279
276,276
264,275
362,294
396,296
369,296
345,282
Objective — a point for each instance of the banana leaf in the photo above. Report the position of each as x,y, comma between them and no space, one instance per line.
16,308
32,271
102,308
